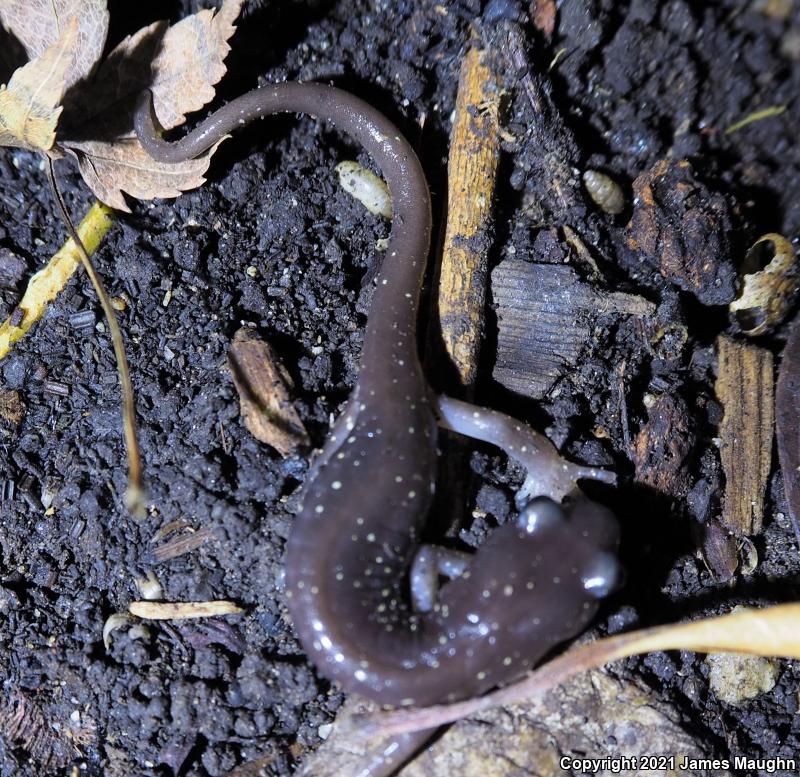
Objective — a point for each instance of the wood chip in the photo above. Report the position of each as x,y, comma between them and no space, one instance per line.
745,389
720,549
545,314
472,167
264,385
167,611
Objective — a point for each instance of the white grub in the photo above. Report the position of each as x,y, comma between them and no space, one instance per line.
370,190
606,193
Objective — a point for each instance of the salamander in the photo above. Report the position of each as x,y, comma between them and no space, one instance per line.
361,590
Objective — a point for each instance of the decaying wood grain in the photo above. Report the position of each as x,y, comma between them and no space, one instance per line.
745,389
472,166
545,315
264,402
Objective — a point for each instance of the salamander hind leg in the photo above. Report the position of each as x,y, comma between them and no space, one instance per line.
430,563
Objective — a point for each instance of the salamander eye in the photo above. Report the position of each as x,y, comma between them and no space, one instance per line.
603,574
540,513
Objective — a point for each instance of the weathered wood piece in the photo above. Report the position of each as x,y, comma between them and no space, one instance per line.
545,315
745,389
663,444
472,167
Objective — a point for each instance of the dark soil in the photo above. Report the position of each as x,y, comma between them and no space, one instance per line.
638,81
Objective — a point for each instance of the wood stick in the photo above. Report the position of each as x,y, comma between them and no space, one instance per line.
472,167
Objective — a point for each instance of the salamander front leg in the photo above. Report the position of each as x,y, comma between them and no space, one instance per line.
548,474
430,563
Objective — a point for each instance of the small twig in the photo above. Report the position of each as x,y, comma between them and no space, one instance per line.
472,169
135,498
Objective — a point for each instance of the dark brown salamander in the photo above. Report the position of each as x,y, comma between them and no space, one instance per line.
354,563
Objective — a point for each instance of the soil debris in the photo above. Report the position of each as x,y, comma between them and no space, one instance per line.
685,230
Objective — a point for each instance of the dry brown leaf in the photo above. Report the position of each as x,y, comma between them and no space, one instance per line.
30,103
180,64
111,168
772,631
190,62
263,386
37,24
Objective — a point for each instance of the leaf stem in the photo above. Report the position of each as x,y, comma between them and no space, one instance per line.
135,497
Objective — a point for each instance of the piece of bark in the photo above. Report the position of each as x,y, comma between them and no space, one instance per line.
745,389
661,447
545,315
264,385
181,545
472,167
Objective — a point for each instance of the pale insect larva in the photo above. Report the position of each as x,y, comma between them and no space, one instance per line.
606,193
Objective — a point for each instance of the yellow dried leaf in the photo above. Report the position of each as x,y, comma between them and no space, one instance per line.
111,168
165,611
37,24
30,104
